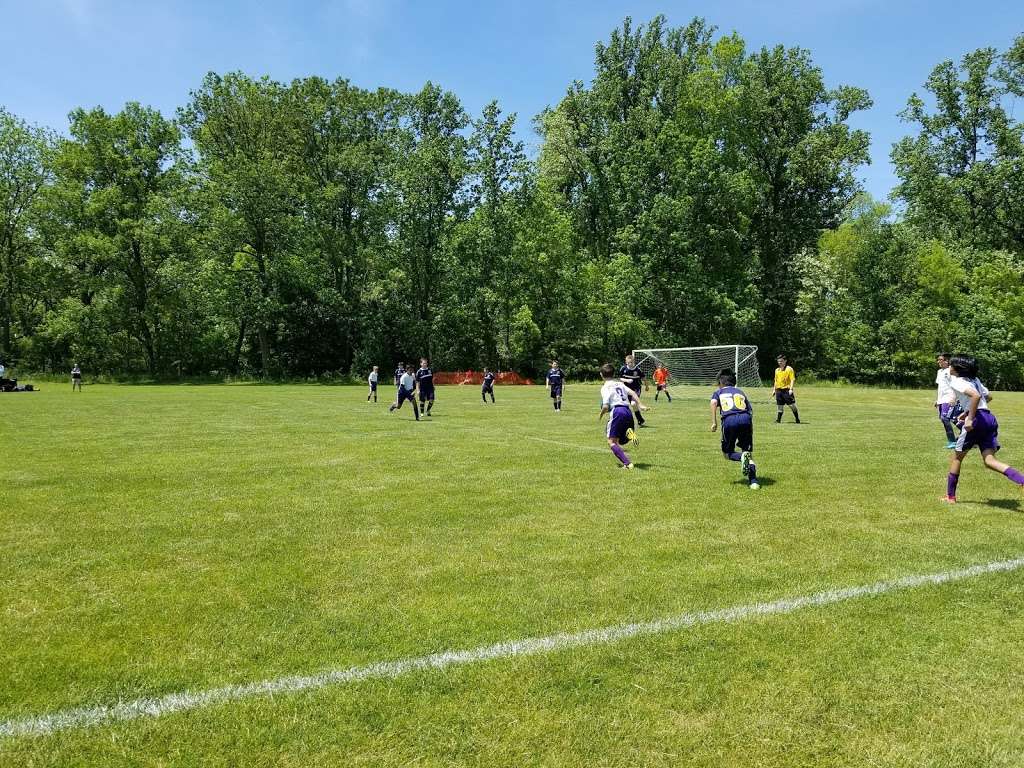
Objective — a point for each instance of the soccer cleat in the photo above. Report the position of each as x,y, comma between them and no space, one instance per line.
948,499
631,437
628,466
754,486
745,463
951,444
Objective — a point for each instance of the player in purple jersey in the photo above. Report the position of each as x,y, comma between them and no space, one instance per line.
617,398
633,377
555,380
980,427
737,424
488,385
425,384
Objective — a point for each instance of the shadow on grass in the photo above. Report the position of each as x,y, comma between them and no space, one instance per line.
1012,505
762,480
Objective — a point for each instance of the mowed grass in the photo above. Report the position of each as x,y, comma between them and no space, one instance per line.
158,539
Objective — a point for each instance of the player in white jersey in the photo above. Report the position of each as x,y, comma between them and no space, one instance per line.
616,399
945,398
372,380
406,391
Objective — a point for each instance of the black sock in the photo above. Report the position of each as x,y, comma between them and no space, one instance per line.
796,415
668,396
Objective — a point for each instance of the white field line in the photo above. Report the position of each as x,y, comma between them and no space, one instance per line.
85,717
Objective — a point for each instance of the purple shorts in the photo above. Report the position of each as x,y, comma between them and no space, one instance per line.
620,422
946,411
984,434
737,430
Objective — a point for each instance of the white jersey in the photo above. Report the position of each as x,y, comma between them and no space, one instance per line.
960,385
613,394
945,394
373,377
2,371
407,382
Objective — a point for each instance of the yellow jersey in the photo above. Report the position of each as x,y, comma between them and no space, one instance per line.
784,377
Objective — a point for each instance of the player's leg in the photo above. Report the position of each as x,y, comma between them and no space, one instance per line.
668,394
780,406
491,391
619,425
746,444
989,457
944,412
953,478
640,420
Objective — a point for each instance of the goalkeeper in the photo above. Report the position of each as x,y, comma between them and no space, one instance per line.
661,377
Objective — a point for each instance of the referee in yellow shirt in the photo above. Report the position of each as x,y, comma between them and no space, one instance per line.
785,378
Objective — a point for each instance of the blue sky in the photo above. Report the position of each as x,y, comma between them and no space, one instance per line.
59,54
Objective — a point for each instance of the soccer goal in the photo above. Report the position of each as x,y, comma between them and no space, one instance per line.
700,365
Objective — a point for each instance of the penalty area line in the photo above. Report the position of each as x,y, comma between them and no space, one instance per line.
185,701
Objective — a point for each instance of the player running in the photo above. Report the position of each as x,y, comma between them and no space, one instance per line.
372,381
782,389
555,380
425,384
945,398
406,391
633,378
488,386
737,424
980,427
616,399
661,377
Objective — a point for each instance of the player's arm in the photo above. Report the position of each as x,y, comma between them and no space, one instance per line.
604,410
633,396
792,381
714,414
972,409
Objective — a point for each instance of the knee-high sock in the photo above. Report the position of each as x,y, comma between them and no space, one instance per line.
734,456
1014,475
639,417
656,396
620,454
752,472
951,482
668,396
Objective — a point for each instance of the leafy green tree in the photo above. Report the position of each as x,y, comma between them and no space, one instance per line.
244,132
116,220
24,173
962,174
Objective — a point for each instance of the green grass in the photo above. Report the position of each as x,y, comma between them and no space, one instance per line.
156,539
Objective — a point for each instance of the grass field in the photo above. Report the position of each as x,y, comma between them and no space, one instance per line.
158,539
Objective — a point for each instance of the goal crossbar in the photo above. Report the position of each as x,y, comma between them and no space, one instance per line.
701,365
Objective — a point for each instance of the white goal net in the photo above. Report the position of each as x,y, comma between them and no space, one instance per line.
701,365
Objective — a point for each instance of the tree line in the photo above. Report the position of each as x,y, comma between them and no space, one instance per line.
694,192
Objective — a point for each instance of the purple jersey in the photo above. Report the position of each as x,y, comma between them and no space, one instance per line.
733,401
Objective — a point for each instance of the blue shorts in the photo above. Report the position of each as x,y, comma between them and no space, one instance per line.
984,434
556,390
405,394
620,422
737,429
426,393
373,386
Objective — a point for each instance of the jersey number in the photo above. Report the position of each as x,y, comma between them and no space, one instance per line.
733,402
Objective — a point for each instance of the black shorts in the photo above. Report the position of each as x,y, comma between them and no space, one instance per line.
405,394
556,390
784,397
737,430
373,386
662,387
488,388
426,393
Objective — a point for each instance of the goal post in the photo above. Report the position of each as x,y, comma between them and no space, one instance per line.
700,365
